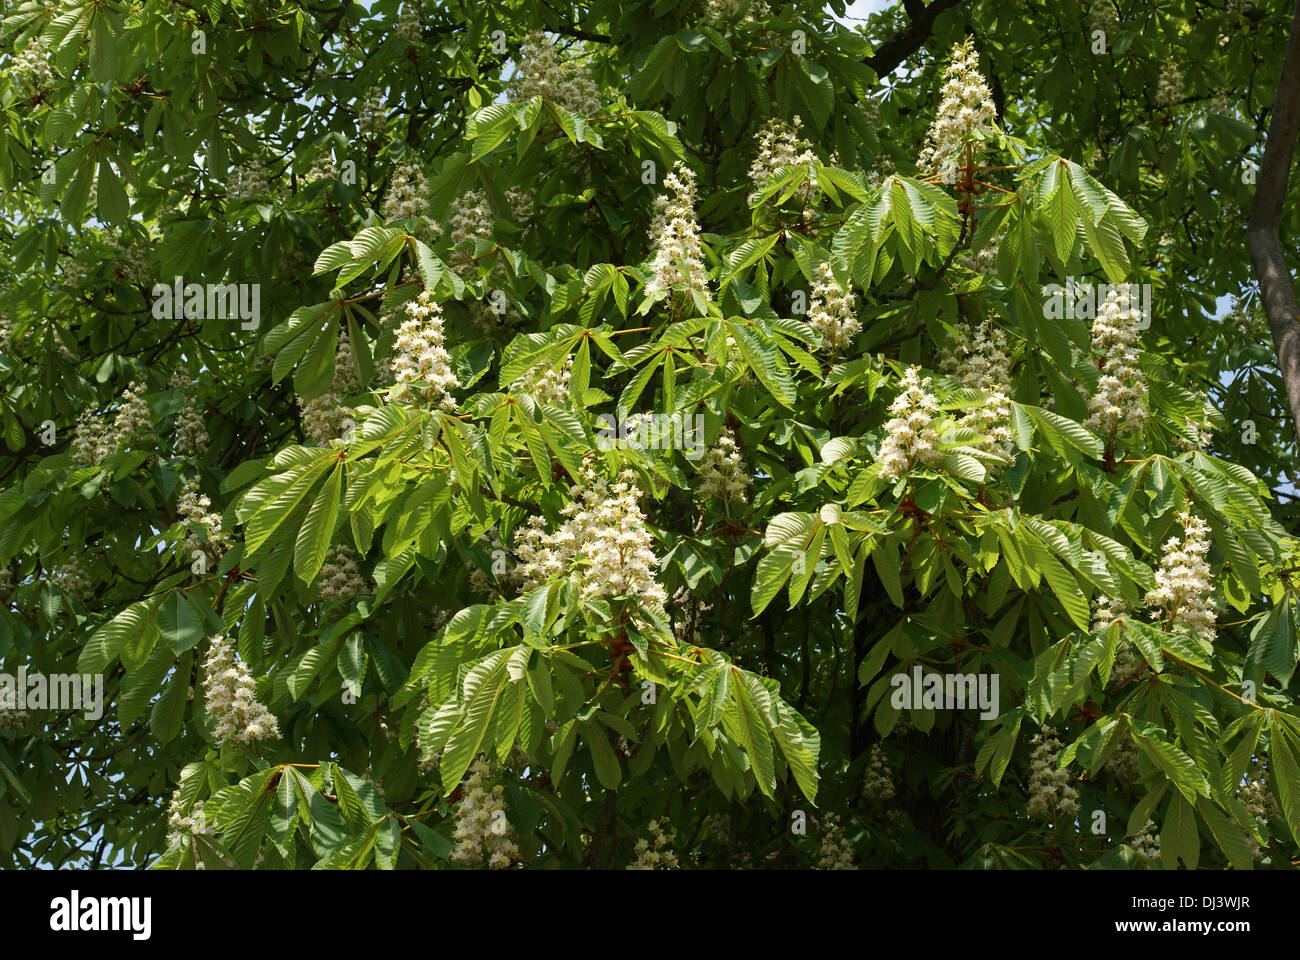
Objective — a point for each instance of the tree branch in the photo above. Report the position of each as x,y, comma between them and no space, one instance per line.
908,40
1276,290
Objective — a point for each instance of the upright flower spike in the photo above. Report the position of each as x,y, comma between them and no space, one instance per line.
408,199
836,853
230,698
340,577
1183,594
778,145
722,471
603,526
655,853
1050,793
482,832
421,362
966,108
1118,408
832,311
196,514
979,361
909,437
545,72
675,237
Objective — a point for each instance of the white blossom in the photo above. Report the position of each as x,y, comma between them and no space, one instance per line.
878,781
195,510
421,362
979,361
546,382
722,471
544,72
408,199
1169,89
32,66
372,116
655,853
1183,594
230,698
604,527
675,236
835,853
250,181
482,832
1118,408
779,145
966,108
340,577
1050,792
1146,842
831,311
909,437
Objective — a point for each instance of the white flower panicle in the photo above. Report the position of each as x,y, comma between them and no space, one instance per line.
72,578
90,440
722,471
979,361
1123,763
604,527
1146,842
1169,89
230,698
1183,594
191,430
408,23
340,577
196,514
322,168
831,311
722,12
421,361
184,823
32,66
408,199
470,219
836,853
1119,406
523,203
482,832
372,116
779,145
1105,611
1259,802
11,718
546,383
675,236
133,418
249,181
878,783
1102,15
909,437
655,853
1050,792
323,416
966,107
545,72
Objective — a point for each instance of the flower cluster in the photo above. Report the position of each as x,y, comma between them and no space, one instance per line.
721,12
1123,763
1259,802
372,116
72,578
322,168
832,311
340,578
11,718
482,832
655,853
420,360
836,853
32,65
1183,593
470,219
909,437
408,23
604,527
878,782
979,361
196,514
966,107
779,145
1146,842
547,383
1102,15
675,236
323,416
1050,792
523,203
408,199
722,471
1119,405
183,823
191,431
1169,89
544,72
249,181
230,698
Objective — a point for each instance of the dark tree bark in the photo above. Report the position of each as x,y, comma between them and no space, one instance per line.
910,39
1275,286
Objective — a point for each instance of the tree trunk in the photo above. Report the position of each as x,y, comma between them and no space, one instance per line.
1275,287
